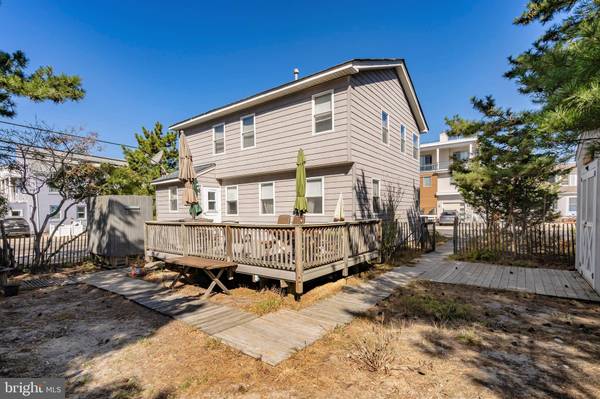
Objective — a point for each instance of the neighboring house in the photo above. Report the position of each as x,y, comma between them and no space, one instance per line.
21,204
358,123
438,193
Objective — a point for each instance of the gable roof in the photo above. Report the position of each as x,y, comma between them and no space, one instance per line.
347,68
174,176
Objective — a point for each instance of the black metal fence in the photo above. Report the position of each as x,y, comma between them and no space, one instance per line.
18,252
415,235
550,242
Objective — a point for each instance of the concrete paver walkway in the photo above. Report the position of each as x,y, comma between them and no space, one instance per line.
276,336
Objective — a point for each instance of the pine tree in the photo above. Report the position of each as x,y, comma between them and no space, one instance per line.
561,71
41,85
510,177
135,178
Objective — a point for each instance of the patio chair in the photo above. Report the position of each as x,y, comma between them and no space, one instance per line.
298,220
284,219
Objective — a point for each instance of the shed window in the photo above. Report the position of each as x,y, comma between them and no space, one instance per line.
314,195
415,146
376,196
248,131
232,200
385,124
219,139
267,198
323,112
173,201
402,138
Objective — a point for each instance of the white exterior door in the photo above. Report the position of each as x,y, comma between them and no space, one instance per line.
587,223
211,203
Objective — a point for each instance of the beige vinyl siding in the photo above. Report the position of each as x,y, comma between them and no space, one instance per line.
371,92
336,179
282,127
163,211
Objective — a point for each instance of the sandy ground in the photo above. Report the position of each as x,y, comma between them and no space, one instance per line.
436,341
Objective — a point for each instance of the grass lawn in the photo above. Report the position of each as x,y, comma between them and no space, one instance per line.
427,340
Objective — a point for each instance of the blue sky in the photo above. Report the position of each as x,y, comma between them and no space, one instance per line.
150,61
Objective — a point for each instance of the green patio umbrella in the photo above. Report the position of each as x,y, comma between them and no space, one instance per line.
300,206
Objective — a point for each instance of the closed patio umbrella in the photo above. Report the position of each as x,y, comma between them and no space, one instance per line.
338,215
300,206
187,174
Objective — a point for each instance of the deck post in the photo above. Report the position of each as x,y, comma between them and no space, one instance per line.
228,243
346,249
184,241
299,261
146,257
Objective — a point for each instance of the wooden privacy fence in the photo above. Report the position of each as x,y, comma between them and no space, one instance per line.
18,252
549,242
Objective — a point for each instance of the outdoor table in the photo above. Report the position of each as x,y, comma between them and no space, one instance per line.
185,263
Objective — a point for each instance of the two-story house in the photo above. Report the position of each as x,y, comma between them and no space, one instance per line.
438,193
358,123
48,198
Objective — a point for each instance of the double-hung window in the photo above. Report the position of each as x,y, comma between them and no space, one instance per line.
323,112
415,146
248,125
572,206
80,211
385,125
402,138
54,212
314,195
219,139
376,196
211,200
173,201
267,198
231,195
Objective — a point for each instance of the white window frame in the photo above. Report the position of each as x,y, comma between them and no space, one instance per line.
402,138
430,182
569,211
378,194
208,200
224,145
388,127
322,178
572,179
314,125
237,200
18,211
416,146
171,210
260,212
77,212
242,131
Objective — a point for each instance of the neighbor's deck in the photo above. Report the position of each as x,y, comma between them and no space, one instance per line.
291,253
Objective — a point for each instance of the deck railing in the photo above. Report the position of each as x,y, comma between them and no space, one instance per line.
295,248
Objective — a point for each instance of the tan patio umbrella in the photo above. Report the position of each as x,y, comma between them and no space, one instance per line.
187,174
338,215
300,205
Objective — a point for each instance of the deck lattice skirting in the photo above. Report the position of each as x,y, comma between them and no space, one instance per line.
291,253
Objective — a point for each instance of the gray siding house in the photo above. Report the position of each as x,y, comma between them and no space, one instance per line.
358,123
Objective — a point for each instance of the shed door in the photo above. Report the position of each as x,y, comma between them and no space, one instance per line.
586,250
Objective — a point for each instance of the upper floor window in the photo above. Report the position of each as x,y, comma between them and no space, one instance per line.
231,196
323,112
385,124
219,139
80,211
415,146
402,138
572,205
248,131
314,195
460,155
267,198
376,196
173,201
572,180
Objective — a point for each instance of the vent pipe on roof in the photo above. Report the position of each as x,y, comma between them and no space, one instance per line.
296,72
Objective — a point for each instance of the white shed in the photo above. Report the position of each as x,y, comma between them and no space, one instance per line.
588,214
